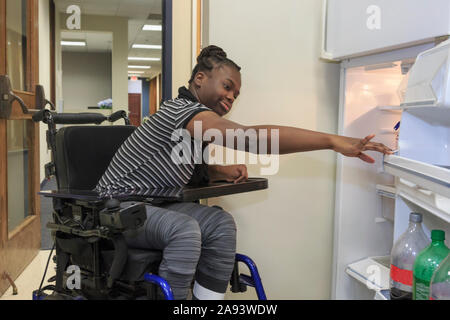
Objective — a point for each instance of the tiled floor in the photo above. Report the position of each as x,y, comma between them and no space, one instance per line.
31,278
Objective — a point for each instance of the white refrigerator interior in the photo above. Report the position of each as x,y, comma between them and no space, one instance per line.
396,76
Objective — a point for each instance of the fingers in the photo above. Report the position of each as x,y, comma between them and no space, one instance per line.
374,146
243,174
240,179
378,147
366,158
366,139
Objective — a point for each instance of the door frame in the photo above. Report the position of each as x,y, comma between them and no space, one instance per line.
19,247
167,9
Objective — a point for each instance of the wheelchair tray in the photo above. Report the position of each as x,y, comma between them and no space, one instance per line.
185,194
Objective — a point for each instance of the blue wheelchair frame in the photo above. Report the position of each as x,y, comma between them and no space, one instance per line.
253,280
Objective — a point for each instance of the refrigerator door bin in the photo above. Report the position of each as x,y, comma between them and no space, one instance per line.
421,176
373,272
388,191
433,203
428,82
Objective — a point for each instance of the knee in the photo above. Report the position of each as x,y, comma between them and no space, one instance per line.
186,229
225,223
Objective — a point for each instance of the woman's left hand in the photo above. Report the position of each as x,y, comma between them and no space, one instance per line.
232,173
352,147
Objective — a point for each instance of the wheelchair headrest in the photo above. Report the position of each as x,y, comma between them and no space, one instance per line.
83,153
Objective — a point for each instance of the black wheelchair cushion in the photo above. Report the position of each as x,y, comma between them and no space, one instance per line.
83,153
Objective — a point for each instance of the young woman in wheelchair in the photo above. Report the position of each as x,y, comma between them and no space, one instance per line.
199,242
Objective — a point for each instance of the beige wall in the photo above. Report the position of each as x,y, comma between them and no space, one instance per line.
182,44
119,28
286,229
86,79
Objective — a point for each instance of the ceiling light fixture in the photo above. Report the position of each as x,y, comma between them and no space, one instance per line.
135,72
74,43
152,27
139,67
146,46
143,59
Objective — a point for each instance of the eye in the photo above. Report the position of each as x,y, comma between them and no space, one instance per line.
227,87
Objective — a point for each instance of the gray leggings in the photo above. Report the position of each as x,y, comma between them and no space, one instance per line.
195,239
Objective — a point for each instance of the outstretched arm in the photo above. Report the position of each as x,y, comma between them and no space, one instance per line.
290,139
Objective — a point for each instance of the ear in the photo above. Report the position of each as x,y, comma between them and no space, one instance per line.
199,78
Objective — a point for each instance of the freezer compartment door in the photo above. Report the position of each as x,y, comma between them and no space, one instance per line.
361,27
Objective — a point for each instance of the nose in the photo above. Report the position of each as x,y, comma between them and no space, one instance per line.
230,97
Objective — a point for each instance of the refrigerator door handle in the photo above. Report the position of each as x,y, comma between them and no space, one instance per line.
324,53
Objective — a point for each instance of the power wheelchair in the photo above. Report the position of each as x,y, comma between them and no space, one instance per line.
88,229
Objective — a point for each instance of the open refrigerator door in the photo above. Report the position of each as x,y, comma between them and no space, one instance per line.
373,202
422,165
394,80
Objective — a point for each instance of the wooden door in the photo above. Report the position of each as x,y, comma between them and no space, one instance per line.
153,97
134,108
20,231
160,90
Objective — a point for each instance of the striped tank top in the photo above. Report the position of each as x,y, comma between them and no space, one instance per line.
146,159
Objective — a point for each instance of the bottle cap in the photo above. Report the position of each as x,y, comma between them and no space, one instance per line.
437,235
415,217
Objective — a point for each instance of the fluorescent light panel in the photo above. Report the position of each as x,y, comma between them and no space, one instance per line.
74,43
139,67
143,59
152,27
146,46
135,72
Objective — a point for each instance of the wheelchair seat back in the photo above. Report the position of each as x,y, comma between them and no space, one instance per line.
83,153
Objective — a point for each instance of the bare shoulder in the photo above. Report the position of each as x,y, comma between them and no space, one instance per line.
211,120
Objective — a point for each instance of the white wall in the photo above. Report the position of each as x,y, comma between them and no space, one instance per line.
286,229
86,79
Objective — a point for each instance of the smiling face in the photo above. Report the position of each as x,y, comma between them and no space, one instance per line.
218,88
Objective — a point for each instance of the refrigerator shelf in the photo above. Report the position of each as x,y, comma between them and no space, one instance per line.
373,272
434,203
390,108
388,191
434,178
402,107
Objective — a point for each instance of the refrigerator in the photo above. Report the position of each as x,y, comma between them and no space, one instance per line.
394,82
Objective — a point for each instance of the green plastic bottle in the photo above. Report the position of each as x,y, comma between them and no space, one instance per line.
426,263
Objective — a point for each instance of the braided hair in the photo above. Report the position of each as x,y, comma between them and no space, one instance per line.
212,57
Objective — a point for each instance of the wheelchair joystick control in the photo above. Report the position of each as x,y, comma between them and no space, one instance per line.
122,216
112,204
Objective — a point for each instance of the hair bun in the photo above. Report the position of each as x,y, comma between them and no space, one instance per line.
211,51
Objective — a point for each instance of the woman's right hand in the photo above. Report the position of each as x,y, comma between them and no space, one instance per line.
353,147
